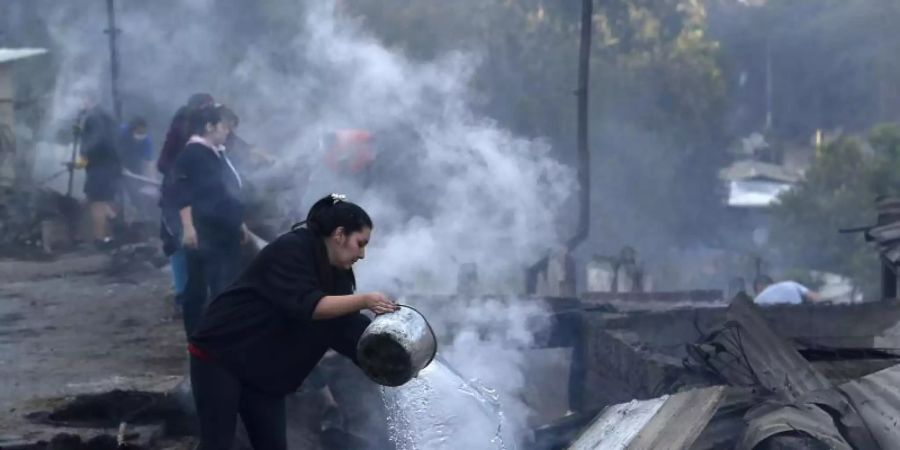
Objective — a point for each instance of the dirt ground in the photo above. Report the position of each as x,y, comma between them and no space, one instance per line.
78,324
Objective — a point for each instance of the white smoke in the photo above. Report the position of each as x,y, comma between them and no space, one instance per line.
459,189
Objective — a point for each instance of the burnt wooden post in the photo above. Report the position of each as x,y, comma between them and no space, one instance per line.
584,153
888,281
113,32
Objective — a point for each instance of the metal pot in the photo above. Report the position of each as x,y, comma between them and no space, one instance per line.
396,346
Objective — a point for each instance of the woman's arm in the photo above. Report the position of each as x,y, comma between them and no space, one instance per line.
191,174
284,273
332,306
189,233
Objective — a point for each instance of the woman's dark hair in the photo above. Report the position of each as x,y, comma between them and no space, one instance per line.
229,115
200,100
179,131
200,118
325,216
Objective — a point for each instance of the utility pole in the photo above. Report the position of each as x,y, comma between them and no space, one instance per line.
584,152
768,83
113,32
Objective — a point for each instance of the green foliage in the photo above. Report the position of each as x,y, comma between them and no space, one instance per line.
839,192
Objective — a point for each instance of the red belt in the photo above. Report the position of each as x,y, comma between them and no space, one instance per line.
198,353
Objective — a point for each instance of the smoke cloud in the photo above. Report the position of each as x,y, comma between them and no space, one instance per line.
449,186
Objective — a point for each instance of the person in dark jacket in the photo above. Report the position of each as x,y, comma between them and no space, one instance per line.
103,169
136,147
259,340
207,197
170,223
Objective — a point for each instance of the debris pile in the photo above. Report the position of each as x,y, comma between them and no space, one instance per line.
735,377
42,220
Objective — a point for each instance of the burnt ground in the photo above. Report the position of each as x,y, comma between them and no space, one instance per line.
81,323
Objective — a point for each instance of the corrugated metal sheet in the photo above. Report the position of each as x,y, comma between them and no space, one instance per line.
769,420
877,399
13,54
664,423
747,352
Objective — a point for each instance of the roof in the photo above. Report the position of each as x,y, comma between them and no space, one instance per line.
14,54
757,170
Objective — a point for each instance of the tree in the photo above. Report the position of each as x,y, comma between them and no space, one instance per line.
839,192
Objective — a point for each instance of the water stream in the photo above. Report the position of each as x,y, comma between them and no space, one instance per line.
440,409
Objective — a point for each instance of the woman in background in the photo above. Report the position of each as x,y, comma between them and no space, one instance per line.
170,223
207,197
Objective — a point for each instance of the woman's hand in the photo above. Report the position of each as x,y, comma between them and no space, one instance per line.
378,303
189,238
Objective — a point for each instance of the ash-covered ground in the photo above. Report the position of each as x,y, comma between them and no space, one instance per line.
72,325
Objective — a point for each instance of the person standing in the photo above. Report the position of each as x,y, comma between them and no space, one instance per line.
103,169
136,147
170,222
207,197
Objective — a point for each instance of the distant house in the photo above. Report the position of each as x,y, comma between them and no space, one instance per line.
8,56
751,188
756,184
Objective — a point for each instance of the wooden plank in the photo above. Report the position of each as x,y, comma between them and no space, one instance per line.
680,421
664,423
618,425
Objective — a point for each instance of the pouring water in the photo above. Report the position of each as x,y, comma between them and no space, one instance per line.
430,406
439,409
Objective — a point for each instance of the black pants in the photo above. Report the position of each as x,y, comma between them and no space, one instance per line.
220,397
209,273
193,299
221,266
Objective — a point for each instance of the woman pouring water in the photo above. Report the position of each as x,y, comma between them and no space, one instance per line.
260,338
